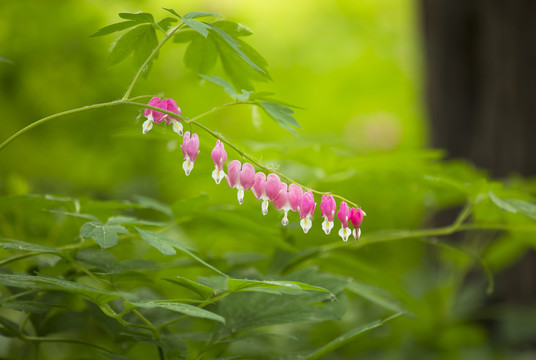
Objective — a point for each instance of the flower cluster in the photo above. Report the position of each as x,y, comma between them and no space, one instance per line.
268,188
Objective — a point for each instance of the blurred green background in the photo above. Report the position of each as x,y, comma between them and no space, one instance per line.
356,69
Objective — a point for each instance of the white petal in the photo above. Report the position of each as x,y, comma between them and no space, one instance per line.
240,196
177,127
284,221
306,224
218,175
147,125
187,165
344,233
357,233
264,206
327,226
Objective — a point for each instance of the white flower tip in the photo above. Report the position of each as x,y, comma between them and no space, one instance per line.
327,226
177,127
284,221
357,233
240,196
147,125
187,165
264,207
345,233
218,175
306,224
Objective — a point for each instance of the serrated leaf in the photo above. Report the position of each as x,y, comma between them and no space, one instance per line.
346,338
105,235
173,12
202,290
139,17
198,14
167,246
166,22
376,295
186,309
21,245
201,55
236,285
201,27
281,114
233,28
114,28
141,40
236,47
514,205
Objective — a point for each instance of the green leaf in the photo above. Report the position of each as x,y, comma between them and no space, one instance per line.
68,213
293,287
21,245
141,40
235,45
201,27
198,14
201,55
28,306
186,35
346,338
167,246
202,290
122,220
376,295
49,283
173,12
114,28
139,17
151,203
105,235
186,309
514,205
229,89
233,28
166,22
281,114
160,242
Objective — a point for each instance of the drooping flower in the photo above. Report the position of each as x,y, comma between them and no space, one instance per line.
356,217
328,206
190,150
306,209
288,199
240,177
171,106
258,190
154,116
219,156
344,216
272,187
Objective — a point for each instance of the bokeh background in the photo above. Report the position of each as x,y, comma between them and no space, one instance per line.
393,92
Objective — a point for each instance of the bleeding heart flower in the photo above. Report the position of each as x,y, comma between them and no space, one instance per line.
240,177
219,156
190,150
157,117
356,217
344,216
328,206
306,209
288,199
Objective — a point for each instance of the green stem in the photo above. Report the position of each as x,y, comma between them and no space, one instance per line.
148,60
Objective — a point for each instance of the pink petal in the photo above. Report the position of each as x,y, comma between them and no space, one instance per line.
328,206
295,195
258,184
344,214
282,199
193,147
154,102
307,205
247,176
356,217
272,187
218,155
233,173
185,141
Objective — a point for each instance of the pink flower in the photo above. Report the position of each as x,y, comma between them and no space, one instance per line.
219,156
288,200
306,209
328,206
356,217
190,150
156,117
344,216
258,190
242,179
272,187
